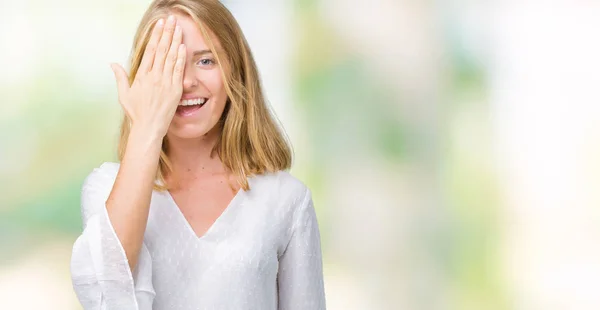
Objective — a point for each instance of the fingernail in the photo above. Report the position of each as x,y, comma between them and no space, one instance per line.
160,22
171,18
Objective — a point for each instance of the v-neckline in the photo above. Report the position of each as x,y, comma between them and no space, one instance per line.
214,226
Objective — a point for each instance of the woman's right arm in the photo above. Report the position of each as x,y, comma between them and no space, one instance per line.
100,271
110,253
111,268
150,103
128,204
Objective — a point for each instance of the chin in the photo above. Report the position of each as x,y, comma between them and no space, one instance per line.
190,131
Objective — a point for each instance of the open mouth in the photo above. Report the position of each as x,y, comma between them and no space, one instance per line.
189,106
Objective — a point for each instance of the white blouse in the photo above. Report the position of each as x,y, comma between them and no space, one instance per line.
263,252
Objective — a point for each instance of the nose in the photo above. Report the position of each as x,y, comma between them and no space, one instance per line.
189,79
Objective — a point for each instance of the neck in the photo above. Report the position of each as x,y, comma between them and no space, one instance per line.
193,158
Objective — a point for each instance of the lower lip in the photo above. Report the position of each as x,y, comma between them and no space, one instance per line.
190,111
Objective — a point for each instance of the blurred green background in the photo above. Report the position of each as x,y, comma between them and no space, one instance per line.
451,146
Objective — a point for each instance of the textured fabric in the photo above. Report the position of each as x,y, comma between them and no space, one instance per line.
263,252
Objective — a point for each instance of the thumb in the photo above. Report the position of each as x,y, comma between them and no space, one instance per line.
121,77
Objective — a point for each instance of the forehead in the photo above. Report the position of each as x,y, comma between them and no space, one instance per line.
192,35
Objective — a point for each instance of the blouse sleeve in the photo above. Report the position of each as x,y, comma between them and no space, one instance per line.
300,275
100,273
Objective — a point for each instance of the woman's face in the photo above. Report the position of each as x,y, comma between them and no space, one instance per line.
202,80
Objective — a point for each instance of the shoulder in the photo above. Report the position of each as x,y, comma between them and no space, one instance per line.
287,188
96,189
105,174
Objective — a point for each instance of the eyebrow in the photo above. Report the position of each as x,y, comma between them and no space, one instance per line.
202,52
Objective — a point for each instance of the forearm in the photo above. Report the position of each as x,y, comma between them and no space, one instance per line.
128,204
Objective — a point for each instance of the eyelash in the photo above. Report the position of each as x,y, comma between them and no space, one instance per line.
212,62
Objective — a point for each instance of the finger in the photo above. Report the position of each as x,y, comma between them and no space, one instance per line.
163,45
121,77
172,55
179,65
148,57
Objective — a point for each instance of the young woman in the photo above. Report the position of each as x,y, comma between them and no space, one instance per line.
200,213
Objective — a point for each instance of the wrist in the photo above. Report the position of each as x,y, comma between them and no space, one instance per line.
145,139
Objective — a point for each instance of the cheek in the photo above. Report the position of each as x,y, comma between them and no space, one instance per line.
214,82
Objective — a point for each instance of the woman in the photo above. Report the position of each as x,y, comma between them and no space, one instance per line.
200,213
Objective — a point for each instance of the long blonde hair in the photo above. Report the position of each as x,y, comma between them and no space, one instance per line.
251,142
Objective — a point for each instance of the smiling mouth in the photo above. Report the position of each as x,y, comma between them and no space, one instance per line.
188,107
196,101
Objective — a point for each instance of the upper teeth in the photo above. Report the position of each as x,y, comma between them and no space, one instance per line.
193,101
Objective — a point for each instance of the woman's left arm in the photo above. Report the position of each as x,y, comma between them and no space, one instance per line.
300,276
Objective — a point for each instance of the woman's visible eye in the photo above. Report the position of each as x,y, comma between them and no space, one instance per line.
206,62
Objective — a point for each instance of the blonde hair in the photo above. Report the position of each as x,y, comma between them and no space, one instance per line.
250,143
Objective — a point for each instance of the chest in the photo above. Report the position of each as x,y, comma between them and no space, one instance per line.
202,206
242,244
